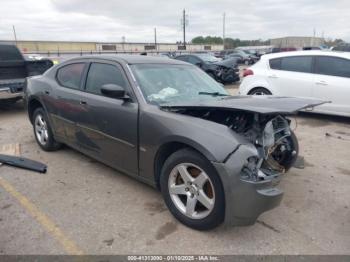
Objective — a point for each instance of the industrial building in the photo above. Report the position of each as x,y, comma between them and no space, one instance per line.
93,47
297,41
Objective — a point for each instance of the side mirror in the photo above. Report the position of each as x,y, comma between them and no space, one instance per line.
115,91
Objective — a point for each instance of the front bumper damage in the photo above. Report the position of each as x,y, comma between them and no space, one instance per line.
246,200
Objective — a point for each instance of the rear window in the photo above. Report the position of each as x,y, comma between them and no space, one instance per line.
9,52
302,64
333,66
70,75
275,63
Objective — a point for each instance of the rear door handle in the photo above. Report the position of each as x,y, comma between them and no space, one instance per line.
83,102
322,83
273,76
47,92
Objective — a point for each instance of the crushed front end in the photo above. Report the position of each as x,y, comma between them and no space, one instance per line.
251,172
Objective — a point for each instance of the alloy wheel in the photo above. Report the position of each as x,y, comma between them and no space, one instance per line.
41,130
191,190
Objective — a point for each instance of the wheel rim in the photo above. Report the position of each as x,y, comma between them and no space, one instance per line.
41,131
191,191
260,93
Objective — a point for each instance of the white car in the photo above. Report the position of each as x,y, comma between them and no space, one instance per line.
318,74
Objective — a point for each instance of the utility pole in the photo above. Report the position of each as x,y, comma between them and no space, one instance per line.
155,38
184,26
184,23
14,33
223,30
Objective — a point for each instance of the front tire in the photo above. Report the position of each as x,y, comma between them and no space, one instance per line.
192,190
43,132
259,91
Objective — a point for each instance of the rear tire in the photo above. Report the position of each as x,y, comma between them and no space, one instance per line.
259,91
192,190
289,162
43,132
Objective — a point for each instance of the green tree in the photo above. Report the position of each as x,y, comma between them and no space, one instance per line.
229,42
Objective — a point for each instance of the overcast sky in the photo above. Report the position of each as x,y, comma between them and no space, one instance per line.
110,20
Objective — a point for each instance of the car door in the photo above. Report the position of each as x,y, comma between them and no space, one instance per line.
63,101
108,131
291,76
332,83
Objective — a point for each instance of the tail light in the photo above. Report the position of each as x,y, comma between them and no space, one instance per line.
247,72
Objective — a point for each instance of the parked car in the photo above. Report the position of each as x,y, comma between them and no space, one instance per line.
283,49
253,58
345,47
318,74
241,59
253,53
215,158
225,73
14,69
311,48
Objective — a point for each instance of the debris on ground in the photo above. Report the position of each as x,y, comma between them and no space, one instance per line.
109,242
22,162
336,136
300,162
10,149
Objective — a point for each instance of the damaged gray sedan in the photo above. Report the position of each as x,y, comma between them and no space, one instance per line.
216,158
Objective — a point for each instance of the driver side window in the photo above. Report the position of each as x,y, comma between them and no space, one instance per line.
101,74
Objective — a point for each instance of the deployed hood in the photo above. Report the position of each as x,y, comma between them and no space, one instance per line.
230,62
257,104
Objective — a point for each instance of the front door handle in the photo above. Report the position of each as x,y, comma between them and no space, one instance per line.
273,76
47,92
322,83
83,102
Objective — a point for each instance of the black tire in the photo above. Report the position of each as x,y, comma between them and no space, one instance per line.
259,91
290,161
50,144
216,215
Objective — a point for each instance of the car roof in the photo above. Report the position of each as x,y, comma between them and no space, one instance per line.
132,59
308,52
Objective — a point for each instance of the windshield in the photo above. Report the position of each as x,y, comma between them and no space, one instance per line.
165,83
209,58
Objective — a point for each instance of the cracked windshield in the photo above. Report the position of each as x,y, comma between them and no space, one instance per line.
162,84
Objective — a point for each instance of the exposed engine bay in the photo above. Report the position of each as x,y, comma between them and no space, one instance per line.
225,74
271,135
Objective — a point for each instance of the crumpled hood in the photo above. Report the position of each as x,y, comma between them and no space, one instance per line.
258,104
230,62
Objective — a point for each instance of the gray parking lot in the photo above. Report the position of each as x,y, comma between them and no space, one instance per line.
82,206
